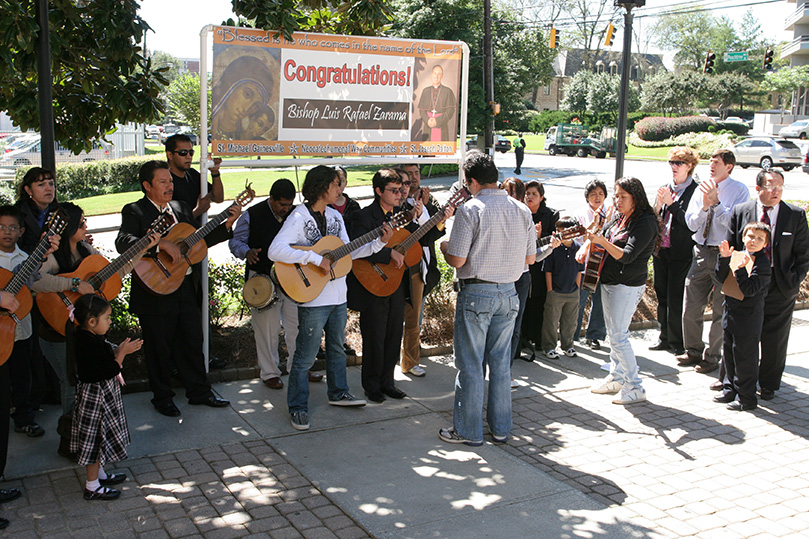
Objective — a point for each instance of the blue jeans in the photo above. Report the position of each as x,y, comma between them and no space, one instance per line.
596,330
311,322
484,322
620,302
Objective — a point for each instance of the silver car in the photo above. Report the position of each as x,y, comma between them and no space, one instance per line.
799,129
766,152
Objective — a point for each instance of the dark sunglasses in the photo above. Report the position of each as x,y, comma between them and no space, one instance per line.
676,163
183,153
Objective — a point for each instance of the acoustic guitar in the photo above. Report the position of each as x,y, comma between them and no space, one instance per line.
565,234
383,279
14,283
162,276
303,283
597,254
104,276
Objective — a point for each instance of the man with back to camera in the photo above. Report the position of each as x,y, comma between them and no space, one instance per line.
708,214
789,254
492,239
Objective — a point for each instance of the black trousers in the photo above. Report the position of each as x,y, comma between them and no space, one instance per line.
742,332
669,284
172,335
5,408
775,337
520,153
22,380
381,325
535,306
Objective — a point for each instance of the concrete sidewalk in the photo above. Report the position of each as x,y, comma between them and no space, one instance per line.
575,466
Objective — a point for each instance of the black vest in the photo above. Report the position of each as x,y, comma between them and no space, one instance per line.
263,229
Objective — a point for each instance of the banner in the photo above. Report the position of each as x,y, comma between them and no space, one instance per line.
322,94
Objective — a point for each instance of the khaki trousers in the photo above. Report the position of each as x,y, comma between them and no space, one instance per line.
411,342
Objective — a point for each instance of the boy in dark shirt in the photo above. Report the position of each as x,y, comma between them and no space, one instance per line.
563,278
742,319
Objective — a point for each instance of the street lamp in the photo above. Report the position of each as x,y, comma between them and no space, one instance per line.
625,59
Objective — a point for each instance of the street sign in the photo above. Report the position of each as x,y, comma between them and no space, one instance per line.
736,56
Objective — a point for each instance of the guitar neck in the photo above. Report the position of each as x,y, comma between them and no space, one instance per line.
31,264
422,230
203,231
355,244
117,265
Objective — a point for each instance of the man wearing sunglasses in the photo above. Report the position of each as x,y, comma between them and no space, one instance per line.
179,154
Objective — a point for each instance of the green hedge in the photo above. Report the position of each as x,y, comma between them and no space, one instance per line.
735,127
659,128
79,180
541,121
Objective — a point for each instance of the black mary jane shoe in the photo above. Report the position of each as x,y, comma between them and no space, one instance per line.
102,493
113,479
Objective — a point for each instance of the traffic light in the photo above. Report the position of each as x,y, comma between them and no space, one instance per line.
709,58
768,54
554,38
610,35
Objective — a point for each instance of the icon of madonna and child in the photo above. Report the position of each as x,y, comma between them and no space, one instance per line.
243,97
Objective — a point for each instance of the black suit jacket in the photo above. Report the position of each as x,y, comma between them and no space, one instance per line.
790,243
136,218
365,220
682,240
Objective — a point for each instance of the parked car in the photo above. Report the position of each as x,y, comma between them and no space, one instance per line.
153,131
736,120
799,129
767,152
31,154
501,145
168,130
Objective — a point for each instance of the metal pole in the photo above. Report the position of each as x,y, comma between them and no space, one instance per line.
626,58
488,75
203,178
45,83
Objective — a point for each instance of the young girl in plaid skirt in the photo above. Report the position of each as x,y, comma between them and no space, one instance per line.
99,433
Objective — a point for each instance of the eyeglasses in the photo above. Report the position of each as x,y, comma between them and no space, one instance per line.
10,228
396,191
676,163
774,188
83,222
183,153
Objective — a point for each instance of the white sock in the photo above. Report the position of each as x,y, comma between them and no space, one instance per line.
102,475
92,486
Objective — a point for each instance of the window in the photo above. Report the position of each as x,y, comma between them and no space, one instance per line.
547,90
613,68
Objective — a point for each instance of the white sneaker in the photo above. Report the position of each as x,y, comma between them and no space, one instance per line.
514,384
571,352
347,399
607,386
630,396
552,354
417,371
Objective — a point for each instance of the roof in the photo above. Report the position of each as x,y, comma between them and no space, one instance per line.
569,61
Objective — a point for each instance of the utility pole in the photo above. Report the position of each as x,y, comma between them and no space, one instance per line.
626,59
488,76
45,83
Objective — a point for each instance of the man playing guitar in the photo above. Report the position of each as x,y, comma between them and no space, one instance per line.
172,323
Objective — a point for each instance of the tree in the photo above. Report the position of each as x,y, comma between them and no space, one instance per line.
182,97
686,34
100,76
575,98
171,63
597,93
351,17
670,92
729,89
522,59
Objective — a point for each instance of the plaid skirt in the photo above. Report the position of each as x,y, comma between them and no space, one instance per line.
99,432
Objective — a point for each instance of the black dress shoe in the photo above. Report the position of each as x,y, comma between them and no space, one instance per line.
113,479
767,394
725,398
216,363
168,409
529,359
3,523
9,494
660,345
375,396
717,386
102,493
394,392
678,351
212,401
737,406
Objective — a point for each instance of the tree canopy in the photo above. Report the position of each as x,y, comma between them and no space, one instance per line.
598,93
100,76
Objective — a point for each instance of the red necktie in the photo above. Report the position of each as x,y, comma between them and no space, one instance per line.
765,218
